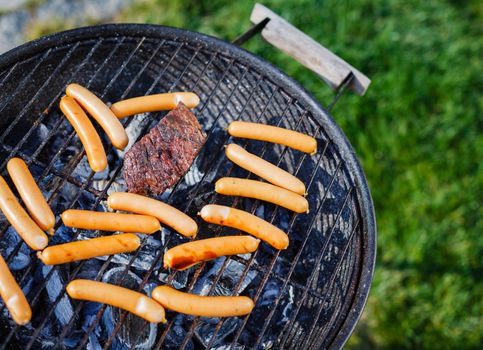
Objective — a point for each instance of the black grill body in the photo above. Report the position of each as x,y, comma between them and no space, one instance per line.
307,297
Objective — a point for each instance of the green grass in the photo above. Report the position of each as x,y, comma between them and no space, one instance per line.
418,134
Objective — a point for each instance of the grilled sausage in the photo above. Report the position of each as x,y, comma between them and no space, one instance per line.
87,133
208,306
152,103
95,220
30,232
31,195
101,113
188,254
290,138
165,213
80,250
233,186
12,296
126,299
239,219
264,169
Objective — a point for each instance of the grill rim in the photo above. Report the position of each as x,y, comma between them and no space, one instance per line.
280,79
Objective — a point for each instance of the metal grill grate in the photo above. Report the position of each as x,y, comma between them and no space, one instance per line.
308,295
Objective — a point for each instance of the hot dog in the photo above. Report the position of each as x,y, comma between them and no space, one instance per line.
30,232
87,133
165,213
101,113
262,132
239,219
152,103
208,306
74,251
233,186
12,296
31,195
264,169
95,220
126,299
188,254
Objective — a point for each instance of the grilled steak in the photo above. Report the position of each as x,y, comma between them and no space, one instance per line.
164,155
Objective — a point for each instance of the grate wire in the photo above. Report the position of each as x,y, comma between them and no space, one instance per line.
230,90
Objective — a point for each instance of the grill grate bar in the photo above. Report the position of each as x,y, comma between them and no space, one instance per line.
42,116
13,151
233,87
29,160
35,298
96,320
103,195
24,110
21,85
254,207
158,257
220,229
46,171
200,268
6,76
332,280
214,124
71,167
264,269
94,323
299,253
122,67
317,262
44,85
292,221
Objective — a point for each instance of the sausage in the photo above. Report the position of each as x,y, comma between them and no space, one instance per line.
233,186
80,250
126,299
188,254
101,113
165,213
262,132
96,220
32,197
208,306
30,232
239,219
12,296
264,169
152,103
87,133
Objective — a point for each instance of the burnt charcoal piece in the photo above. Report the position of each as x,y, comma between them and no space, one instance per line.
164,155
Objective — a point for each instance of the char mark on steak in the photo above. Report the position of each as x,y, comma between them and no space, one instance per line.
164,154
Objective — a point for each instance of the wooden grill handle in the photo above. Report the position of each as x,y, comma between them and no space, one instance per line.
330,67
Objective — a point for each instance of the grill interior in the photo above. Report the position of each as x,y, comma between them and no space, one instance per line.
307,296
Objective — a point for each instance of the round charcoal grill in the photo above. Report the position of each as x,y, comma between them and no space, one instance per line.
307,296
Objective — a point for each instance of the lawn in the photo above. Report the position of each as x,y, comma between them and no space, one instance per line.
418,134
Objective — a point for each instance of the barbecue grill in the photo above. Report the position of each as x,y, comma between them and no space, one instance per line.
309,296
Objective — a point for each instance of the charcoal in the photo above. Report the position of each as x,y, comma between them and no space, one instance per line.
177,334
179,281
63,310
134,332
133,130
205,330
20,261
83,171
8,244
